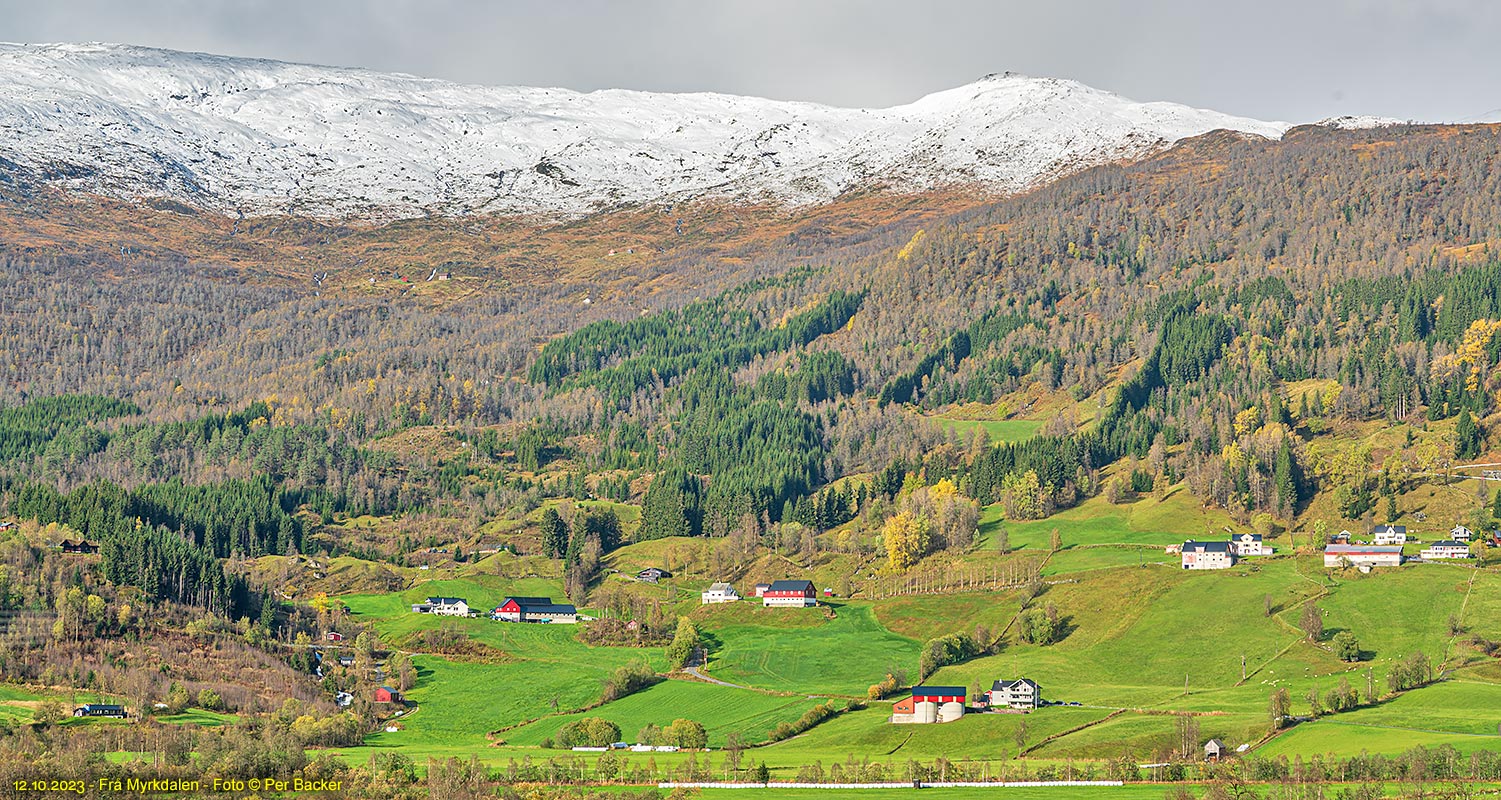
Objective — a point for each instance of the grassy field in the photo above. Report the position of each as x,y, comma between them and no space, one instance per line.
1001,430
843,656
722,711
1144,521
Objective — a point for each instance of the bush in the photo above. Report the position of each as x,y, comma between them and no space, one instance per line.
588,732
946,650
629,679
885,688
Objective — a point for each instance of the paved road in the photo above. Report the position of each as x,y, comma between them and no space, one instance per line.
696,661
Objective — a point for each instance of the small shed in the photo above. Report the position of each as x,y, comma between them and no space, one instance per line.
1213,749
335,636
385,694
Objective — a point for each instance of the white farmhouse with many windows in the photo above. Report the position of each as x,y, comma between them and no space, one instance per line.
1389,535
1207,555
1439,550
1249,544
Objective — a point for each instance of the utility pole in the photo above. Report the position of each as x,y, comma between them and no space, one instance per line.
1242,667
1185,684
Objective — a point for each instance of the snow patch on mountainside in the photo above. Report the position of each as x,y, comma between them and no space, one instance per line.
1350,122
247,136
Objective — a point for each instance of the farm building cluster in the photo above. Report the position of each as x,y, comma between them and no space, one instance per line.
1221,554
935,704
1382,548
535,609
1385,544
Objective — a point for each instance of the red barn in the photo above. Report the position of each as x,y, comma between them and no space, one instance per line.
790,593
335,636
386,694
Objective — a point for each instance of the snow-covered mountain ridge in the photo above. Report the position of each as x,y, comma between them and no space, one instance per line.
246,136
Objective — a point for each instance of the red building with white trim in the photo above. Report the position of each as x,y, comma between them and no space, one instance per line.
790,593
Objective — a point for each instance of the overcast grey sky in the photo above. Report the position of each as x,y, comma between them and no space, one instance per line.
1295,60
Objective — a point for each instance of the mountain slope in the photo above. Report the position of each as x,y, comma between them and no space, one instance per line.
243,136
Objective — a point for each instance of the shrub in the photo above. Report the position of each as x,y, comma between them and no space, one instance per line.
588,732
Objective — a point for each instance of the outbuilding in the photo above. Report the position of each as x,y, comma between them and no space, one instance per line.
100,710
385,694
1362,555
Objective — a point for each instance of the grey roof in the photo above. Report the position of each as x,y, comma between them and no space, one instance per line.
999,686
549,608
720,587
1449,544
1207,547
790,586
1389,528
1386,549
941,691
657,570
445,601
1255,537
528,601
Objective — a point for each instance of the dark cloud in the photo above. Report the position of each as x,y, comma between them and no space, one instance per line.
1295,60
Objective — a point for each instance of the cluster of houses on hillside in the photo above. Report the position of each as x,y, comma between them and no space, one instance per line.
935,704
514,609
1220,554
787,593
1385,548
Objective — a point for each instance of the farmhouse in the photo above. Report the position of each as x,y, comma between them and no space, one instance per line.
1461,534
80,547
1207,555
790,593
535,609
719,593
443,606
100,710
1362,555
1439,550
1389,534
1020,693
385,694
652,574
1249,544
929,704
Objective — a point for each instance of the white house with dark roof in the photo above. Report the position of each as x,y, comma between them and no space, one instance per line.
718,593
1442,550
1207,555
443,606
1020,693
1249,544
1461,534
1389,535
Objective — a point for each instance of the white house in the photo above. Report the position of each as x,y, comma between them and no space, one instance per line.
1249,544
718,593
1020,693
1362,555
443,606
1389,535
1439,550
1461,534
1207,555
